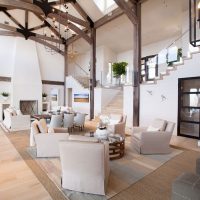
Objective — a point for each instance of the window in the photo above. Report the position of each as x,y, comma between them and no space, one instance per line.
105,6
149,68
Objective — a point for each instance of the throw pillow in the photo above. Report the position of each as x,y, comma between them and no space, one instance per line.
34,127
18,112
43,126
151,128
51,130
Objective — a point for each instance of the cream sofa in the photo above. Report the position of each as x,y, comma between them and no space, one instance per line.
47,141
14,120
154,139
85,165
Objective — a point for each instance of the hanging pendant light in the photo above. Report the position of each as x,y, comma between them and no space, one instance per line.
57,26
194,14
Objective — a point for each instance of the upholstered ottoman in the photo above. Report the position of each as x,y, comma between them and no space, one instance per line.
198,166
186,186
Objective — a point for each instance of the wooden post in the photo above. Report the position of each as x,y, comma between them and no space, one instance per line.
92,72
137,65
65,72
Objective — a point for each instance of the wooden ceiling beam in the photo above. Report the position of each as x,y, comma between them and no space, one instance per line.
7,27
109,17
71,26
71,18
10,33
26,19
37,27
49,25
127,10
12,19
76,37
17,4
51,39
47,44
80,10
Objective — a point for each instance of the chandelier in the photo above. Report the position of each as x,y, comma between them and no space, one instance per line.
72,54
194,14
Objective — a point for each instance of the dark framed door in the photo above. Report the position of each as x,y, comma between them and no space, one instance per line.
189,107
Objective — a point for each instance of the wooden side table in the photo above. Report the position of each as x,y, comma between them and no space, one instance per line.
116,149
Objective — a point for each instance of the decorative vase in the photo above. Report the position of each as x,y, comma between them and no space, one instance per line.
44,98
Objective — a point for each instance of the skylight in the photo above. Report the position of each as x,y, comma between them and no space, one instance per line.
105,6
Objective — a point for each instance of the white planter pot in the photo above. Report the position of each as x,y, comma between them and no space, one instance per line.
101,134
5,98
44,98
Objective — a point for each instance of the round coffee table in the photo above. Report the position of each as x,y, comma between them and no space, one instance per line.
116,148
116,145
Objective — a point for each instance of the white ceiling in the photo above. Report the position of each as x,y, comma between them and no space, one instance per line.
159,21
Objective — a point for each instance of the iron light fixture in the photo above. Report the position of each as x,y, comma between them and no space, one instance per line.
194,14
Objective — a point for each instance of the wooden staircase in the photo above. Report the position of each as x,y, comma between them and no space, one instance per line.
83,80
115,106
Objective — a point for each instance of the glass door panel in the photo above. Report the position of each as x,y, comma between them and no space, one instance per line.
189,107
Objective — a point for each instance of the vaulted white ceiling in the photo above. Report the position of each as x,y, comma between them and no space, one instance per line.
160,20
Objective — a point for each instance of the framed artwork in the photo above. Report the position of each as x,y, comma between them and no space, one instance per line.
81,98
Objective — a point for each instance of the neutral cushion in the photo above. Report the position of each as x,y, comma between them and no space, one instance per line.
158,124
137,136
34,127
82,138
43,126
18,112
51,130
151,128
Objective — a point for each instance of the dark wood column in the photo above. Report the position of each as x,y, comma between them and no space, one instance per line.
92,72
137,64
133,11
65,72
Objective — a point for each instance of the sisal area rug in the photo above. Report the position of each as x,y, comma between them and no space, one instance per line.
124,172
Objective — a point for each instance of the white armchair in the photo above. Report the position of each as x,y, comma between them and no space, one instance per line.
79,120
85,166
155,139
47,142
117,124
15,121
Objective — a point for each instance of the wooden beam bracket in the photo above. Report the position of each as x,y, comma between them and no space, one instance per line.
44,5
26,33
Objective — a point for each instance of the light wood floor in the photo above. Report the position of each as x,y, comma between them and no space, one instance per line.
17,181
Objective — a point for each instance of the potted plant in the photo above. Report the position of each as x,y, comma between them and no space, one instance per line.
44,96
119,69
5,95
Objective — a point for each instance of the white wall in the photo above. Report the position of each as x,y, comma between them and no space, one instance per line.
7,48
128,104
104,55
102,97
51,66
152,106
26,79
47,89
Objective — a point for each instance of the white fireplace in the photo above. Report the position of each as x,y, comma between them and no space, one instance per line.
26,78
